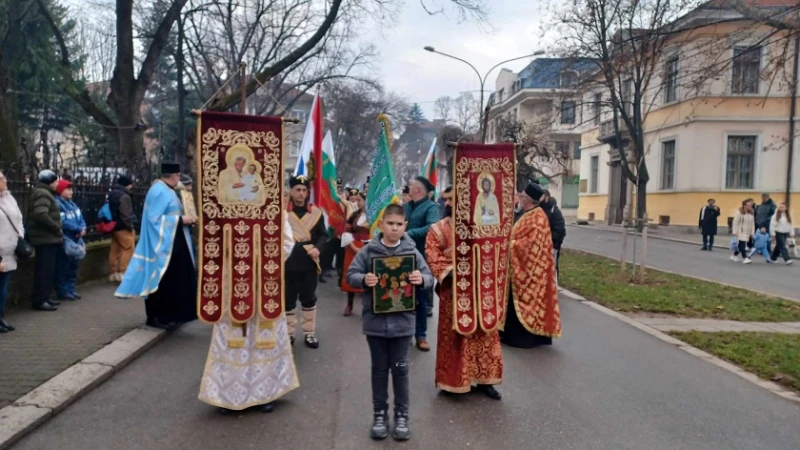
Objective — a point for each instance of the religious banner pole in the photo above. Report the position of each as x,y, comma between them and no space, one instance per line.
243,88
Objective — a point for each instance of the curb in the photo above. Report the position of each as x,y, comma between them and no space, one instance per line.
50,398
649,236
721,283
694,351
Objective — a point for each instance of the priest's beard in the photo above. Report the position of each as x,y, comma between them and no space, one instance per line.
448,211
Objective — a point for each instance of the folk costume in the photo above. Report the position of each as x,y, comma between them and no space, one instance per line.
533,316
460,360
162,270
355,237
250,368
308,231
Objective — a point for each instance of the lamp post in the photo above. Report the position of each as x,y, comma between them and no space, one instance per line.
482,79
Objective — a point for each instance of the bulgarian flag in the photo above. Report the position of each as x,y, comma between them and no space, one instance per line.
382,187
323,186
429,168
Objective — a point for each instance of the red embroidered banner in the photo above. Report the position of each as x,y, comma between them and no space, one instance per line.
240,170
483,215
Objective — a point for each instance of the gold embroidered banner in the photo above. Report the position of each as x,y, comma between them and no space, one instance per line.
241,227
483,214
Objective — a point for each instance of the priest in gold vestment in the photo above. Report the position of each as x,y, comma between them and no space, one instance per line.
460,360
532,316
251,368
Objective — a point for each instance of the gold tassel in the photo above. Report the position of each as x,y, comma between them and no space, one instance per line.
266,324
235,342
265,345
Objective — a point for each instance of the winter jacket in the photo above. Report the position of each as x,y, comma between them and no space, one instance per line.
764,213
761,240
744,226
389,325
44,217
8,237
420,216
121,206
557,225
72,222
708,220
780,226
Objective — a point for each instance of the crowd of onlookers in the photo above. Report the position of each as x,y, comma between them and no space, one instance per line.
764,229
54,230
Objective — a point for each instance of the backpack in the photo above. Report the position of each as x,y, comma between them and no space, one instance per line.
106,222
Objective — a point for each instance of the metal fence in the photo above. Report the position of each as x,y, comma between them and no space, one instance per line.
90,184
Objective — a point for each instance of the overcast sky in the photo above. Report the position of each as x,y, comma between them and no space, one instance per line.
423,77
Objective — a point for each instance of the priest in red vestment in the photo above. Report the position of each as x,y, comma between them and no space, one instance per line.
533,316
461,361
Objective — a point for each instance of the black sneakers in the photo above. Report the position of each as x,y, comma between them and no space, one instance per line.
380,425
401,430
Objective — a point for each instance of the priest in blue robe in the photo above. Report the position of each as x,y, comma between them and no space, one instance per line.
162,270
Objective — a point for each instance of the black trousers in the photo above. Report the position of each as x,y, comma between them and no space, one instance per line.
780,247
44,272
389,354
708,241
303,286
327,254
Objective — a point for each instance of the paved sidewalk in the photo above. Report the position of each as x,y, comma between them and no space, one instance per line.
665,234
711,325
47,343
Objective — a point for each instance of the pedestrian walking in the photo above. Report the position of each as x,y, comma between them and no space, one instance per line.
744,228
421,213
11,231
558,226
764,212
708,223
389,334
761,243
70,254
123,238
782,230
45,235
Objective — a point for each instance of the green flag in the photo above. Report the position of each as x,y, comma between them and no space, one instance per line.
382,187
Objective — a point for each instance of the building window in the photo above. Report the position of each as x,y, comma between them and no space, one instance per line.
569,79
595,170
299,114
627,97
294,150
668,165
562,149
671,80
597,108
568,112
746,70
500,96
740,165
576,150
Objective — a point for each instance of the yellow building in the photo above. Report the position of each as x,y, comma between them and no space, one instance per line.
717,125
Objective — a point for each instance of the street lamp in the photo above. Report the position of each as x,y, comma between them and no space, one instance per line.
482,79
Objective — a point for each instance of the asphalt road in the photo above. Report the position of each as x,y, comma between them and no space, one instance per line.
776,279
604,385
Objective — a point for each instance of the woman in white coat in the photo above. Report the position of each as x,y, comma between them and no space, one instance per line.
781,229
744,227
11,230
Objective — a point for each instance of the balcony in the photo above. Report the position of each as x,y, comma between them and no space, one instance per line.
608,135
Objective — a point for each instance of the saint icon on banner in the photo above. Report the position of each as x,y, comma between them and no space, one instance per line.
240,181
487,208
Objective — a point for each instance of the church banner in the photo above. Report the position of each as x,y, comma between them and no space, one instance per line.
483,215
240,171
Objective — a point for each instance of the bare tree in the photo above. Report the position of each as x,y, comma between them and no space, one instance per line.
467,112
443,107
352,110
538,156
626,40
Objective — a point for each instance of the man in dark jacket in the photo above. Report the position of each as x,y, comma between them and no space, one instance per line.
123,238
708,224
45,235
421,213
765,211
558,227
